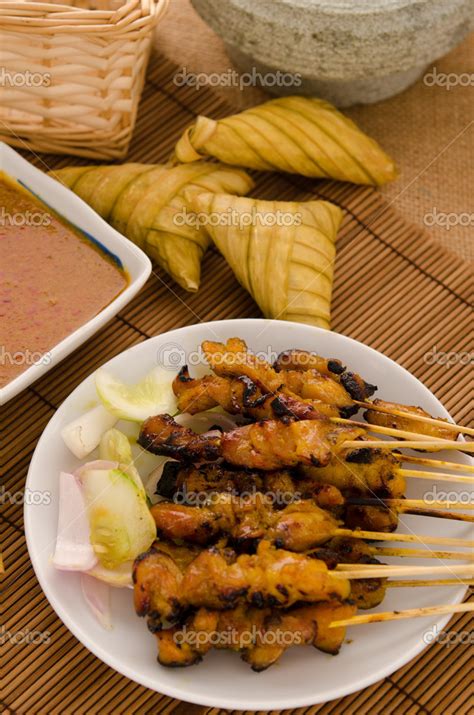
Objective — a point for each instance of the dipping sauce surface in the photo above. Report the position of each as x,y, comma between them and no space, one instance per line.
52,280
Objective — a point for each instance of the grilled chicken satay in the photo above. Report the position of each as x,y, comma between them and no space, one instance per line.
193,484
374,475
304,361
241,396
267,445
298,527
366,593
364,472
217,580
233,360
261,636
376,417
249,521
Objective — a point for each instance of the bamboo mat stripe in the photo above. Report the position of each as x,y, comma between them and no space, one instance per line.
395,289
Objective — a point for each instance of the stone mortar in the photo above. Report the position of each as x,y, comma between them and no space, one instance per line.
347,51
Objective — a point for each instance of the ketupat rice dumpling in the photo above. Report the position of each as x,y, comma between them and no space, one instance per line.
146,203
299,135
282,252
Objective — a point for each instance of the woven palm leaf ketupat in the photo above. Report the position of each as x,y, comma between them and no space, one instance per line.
282,252
146,203
298,135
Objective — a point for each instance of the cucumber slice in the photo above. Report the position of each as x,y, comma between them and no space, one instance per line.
115,447
152,395
121,525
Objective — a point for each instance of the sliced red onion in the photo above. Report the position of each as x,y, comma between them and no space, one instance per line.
73,550
97,596
104,464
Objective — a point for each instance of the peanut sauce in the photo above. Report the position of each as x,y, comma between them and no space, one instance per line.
53,280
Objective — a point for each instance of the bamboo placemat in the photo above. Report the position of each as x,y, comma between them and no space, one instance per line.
394,289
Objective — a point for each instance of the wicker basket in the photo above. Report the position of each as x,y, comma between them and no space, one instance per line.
71,75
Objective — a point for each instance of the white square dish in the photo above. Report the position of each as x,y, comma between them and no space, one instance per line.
81,216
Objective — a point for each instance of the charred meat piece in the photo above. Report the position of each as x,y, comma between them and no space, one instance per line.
304,361
298,527
157,585
242,396
366,593
360,473
356,386
375,417
260,635
212,580
232,359
267,445
269,577
370,473
311,385
162,435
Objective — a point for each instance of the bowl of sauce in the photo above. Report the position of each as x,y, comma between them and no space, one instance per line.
63,272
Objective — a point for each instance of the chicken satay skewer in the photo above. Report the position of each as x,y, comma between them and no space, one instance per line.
418,418
301,526
400,615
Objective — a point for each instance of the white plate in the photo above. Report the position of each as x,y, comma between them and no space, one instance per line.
78,213
304,676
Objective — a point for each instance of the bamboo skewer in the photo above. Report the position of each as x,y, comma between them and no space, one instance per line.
411,444
419,418
408,538
417,507
437,463
439,514
400,615
421,553
389,431
409,503
429,582
357,571
433,476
